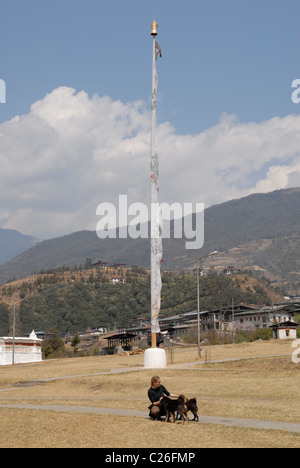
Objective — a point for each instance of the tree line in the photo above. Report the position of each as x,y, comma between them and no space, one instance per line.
74,307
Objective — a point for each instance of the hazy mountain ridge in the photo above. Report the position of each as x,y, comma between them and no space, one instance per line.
13,243
271,220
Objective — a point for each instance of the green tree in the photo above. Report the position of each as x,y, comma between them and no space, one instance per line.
74,343
53,346
4,320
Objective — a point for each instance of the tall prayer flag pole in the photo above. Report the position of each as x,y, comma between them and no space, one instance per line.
156,224
155,357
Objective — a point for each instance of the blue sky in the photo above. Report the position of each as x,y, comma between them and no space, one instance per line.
233,56
78,76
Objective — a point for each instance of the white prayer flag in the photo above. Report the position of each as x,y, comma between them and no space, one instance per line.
157,50
156,221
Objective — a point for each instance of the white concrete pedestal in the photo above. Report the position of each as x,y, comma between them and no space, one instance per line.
155,358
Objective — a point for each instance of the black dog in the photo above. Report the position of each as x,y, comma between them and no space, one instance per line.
191,405
179,405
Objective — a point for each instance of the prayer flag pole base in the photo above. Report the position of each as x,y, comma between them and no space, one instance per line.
155,358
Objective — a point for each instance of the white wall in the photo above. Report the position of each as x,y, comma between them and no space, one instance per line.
23,354
281,334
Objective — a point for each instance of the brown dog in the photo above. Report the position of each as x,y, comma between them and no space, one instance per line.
179,405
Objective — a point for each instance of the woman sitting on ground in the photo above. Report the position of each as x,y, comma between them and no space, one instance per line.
155,394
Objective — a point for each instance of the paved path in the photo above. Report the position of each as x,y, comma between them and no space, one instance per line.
236,422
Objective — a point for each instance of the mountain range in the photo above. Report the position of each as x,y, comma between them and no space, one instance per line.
259,232
12,243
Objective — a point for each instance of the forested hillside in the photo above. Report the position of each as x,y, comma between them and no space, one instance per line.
73,306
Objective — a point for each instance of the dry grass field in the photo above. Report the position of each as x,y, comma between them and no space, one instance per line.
265,388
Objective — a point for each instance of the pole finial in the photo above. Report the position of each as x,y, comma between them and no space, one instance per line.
154,28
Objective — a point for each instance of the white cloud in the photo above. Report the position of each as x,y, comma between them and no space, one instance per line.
72,152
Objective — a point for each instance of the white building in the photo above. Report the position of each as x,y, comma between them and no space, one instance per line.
285,330
25,350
